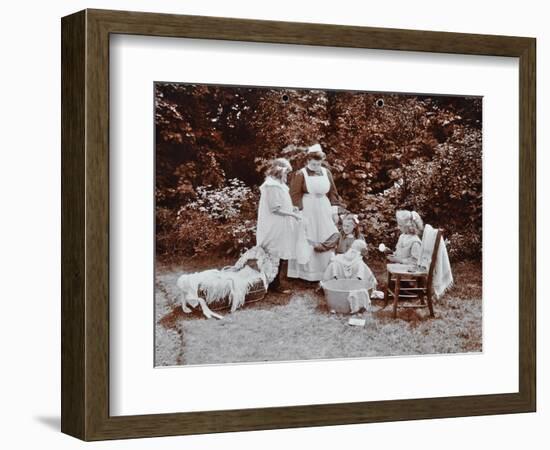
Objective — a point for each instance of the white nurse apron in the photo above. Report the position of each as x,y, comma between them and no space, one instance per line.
317,210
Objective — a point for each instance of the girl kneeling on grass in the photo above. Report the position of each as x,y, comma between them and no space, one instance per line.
351,266
351,250
341,241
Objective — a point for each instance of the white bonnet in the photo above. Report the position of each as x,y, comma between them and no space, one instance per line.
409,218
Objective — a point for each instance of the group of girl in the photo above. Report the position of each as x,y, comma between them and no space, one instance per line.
311,202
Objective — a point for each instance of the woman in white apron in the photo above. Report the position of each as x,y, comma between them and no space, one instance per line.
313,192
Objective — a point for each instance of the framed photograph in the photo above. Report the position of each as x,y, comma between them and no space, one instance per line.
273,225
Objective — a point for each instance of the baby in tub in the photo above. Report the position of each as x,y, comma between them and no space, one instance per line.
350,265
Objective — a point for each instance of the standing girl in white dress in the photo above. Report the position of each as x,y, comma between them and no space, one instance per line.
313,192
277,225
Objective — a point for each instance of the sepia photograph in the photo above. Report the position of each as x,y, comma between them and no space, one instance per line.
296,224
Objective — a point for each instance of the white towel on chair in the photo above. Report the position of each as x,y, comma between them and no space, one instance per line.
442,278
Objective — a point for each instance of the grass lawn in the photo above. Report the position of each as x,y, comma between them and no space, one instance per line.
300,327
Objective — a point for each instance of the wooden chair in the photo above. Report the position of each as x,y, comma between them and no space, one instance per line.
409,282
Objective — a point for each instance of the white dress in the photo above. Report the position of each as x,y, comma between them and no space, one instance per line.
275,233
408,248
350,265
317,211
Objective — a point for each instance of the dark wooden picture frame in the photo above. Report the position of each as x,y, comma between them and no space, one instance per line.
85,224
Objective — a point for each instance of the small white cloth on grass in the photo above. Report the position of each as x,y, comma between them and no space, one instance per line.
358,299
356,322
442,278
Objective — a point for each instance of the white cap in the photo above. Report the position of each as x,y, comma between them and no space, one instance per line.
314,148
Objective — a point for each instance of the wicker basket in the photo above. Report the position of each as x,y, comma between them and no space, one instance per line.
256,293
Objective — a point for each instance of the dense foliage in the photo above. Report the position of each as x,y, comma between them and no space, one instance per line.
386,151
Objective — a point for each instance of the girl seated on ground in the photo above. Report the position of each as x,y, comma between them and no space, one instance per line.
407,250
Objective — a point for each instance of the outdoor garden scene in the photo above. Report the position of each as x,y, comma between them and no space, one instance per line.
398,165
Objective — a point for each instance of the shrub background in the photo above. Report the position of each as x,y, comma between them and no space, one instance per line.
414,151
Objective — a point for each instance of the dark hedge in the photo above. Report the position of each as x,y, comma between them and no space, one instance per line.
386,151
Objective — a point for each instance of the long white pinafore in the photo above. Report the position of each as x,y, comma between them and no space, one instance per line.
317,210
276,233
